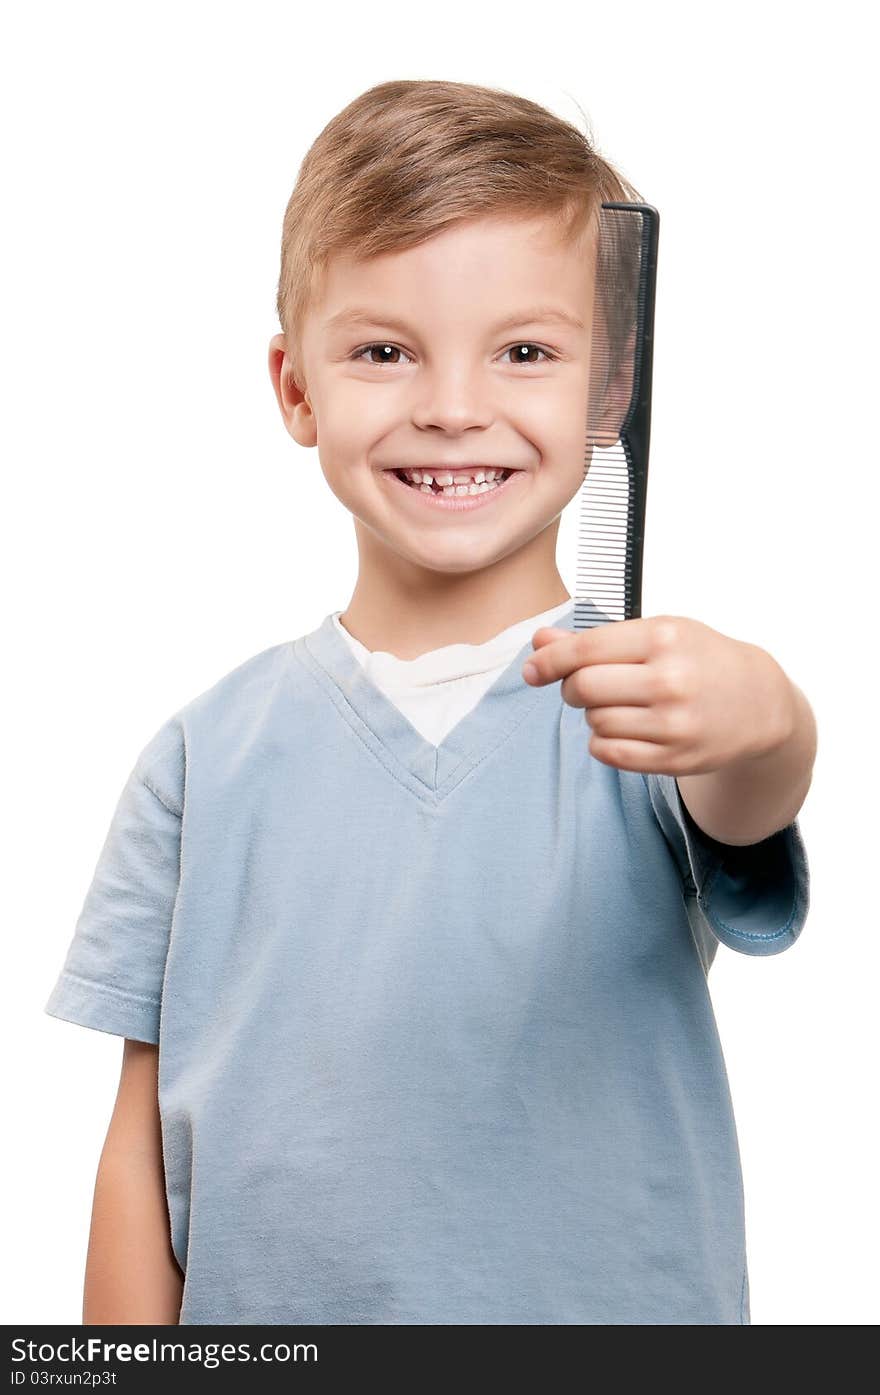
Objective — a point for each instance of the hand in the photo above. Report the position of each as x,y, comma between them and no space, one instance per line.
668,695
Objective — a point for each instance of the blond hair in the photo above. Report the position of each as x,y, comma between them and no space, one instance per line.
407,159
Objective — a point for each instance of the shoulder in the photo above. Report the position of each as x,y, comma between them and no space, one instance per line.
241,715
241,689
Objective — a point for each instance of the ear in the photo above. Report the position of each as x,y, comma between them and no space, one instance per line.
293,401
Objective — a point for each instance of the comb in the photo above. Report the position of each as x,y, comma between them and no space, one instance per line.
613,497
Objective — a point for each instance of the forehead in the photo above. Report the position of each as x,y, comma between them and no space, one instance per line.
499,262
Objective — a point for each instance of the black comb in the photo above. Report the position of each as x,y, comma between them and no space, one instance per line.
614,492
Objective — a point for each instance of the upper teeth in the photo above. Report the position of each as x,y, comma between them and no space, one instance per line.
446,477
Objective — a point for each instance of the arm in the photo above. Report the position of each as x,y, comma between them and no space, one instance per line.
667,695
752,798
131,1273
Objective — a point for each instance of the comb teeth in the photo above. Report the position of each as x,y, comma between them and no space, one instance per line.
604,553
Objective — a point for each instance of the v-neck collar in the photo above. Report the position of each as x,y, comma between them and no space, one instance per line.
429,771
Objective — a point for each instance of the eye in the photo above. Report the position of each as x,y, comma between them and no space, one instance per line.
383,348
525,345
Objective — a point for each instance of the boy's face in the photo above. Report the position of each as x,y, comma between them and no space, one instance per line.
453,388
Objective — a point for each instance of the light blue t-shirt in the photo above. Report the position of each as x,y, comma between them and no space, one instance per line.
435,1038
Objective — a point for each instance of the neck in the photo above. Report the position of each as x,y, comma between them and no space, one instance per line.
408,610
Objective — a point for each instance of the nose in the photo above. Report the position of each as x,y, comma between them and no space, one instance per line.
452,400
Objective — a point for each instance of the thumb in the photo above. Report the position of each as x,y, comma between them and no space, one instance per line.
546,635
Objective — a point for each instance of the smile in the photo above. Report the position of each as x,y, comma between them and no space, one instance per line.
445,493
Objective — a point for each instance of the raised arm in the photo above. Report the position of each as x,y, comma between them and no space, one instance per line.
131,1273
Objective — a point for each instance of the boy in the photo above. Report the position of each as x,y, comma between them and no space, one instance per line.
424,958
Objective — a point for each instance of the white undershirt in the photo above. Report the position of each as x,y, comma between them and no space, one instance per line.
435,690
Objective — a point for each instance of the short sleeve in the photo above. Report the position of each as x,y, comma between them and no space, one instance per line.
112,976
753,898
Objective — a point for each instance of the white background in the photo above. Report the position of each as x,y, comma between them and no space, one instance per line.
160,526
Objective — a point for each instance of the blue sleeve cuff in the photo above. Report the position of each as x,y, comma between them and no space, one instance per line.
755,898
112,977
107,1009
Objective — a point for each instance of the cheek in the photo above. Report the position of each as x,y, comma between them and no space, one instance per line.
556,422
356,422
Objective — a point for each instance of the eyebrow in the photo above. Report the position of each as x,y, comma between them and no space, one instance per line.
534,314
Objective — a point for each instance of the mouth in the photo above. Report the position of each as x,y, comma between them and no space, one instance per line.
453,490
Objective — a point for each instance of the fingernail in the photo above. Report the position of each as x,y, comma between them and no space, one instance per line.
530,672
